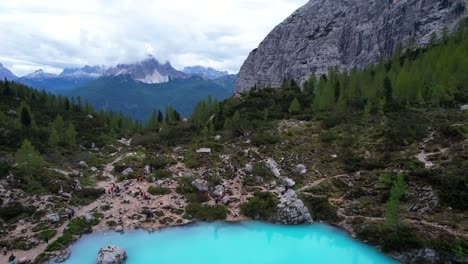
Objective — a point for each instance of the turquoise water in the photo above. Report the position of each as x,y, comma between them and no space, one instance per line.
227,243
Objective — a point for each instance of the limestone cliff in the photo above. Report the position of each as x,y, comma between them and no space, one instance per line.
347,33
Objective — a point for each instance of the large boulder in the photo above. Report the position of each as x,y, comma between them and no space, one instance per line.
200,184
291,210
273,167
111,255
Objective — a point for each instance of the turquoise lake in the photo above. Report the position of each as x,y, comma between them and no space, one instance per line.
226,243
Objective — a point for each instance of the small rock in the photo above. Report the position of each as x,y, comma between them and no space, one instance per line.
93,169
217,138
53,217
118,228
127,171
218,190
23,260
300,169
286,181
204,150
273,166
63,255
83,164
248,168
259,180
88,217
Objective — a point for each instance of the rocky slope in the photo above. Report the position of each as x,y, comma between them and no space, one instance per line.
347,33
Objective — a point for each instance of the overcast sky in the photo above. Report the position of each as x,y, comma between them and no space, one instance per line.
53,34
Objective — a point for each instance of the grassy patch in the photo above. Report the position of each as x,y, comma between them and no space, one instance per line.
262,205
155,190
205,212
320,208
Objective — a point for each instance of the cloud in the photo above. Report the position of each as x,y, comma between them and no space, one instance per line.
53,34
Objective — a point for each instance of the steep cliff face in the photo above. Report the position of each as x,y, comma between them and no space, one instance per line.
347,33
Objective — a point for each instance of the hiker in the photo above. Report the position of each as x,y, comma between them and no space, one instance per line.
46,239
69,216
12,258
4,251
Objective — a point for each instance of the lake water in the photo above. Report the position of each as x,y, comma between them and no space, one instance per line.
228,243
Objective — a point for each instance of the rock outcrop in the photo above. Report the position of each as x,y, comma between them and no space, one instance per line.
291,210
345,33
111,255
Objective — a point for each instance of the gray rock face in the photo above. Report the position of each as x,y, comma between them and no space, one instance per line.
111,255
291,210
345,33
200,184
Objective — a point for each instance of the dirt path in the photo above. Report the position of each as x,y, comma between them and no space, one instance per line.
423,155
34,252
319,181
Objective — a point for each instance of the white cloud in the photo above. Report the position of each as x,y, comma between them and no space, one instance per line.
52,34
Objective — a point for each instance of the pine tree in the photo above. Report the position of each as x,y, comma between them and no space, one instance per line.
388,91
67,104
25,115
54,138
70,135
392,207
28,158
295,106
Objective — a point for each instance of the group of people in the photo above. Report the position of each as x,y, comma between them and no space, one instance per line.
113,189
12,258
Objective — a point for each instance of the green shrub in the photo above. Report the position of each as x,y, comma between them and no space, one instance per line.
105,207
259,169
155,190
46,234
205,212
262,205
320,208
111,223
404,238
76,227
15,211
193,195
265,139
162,174
166,220
328,136
161,162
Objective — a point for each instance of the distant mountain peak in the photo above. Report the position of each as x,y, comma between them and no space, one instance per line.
6,73
40,74
205,72
149,70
